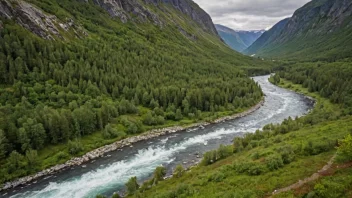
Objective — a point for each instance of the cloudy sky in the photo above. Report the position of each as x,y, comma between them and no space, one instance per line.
250,14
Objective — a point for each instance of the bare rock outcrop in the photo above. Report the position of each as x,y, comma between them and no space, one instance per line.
36,20
123,8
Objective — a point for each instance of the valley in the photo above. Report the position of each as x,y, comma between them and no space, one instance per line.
149,98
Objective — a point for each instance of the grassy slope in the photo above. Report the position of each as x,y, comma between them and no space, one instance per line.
332,47
313,46
219,179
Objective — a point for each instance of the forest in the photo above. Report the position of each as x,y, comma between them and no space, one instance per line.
120,80
331,80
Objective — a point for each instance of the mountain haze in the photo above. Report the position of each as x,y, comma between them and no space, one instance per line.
238,40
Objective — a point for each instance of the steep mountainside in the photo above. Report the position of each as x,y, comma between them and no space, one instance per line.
321,29
41,23
266,38
79,74
238,40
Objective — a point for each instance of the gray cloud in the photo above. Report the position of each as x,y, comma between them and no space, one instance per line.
250,14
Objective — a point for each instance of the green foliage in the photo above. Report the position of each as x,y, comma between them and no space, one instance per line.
15,161
275,79
287,153
110,132
249,168
74,147
32,158
237,145
182,190
329,189
216,177
274,162
61,155
213,156
116,195
159,174
132,185
3,145
337,185
345,149
330,80
179,170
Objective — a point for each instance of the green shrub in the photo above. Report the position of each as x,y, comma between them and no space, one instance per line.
238,145
249,168
255,156
345,149
110,132
116,195
182,190
216,177
209,158
223,152
329,189
132,185
257,169
61,155
287,153
159,174
274,162
179,170
74,147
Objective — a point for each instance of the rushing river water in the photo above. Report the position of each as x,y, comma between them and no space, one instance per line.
108,174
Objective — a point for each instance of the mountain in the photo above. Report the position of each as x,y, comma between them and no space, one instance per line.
44,25
238,40
266,38
79,74
321,29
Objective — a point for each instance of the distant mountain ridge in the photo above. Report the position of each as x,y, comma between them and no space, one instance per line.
238,40
267,38
321,29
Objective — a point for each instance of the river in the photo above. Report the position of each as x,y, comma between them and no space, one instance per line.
108,174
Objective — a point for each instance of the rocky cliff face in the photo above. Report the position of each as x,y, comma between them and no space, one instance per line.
36,21
191,9
47,26
123,8
317,18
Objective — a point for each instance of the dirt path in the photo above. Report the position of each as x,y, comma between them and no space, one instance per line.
313,177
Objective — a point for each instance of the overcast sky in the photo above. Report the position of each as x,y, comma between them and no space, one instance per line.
250,14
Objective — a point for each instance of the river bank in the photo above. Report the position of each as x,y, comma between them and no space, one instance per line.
99,152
